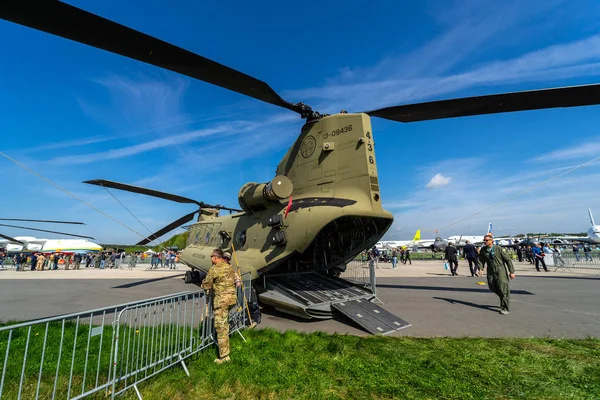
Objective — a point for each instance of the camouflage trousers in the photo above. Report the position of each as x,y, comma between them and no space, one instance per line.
222,328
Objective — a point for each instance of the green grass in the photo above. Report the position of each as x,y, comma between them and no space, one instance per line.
272,365
71,360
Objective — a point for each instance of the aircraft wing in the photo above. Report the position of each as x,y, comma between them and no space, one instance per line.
583,239
424,244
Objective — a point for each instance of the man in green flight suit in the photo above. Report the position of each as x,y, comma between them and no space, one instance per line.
221,280
500,268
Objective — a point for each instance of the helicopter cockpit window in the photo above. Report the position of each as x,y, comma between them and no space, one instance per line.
197,237
240,238
207,238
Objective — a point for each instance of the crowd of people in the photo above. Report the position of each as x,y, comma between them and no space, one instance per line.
39,261
373,256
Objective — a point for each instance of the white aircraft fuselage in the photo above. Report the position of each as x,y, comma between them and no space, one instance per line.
594,234
472,239
33,244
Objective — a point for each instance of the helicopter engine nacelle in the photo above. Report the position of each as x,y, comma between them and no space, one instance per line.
255,196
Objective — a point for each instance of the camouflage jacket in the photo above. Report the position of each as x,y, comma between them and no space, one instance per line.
221,279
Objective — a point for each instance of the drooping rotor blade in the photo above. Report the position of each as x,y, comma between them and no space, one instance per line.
73,23
11,239
168,228
42,220
571,96
44,230
154,193
145,191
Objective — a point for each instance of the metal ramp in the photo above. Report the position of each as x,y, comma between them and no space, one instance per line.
312,288
309,295
371,317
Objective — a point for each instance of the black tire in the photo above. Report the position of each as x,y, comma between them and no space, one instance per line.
196,276
188,277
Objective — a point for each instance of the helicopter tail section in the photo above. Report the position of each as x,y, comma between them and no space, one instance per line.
334,157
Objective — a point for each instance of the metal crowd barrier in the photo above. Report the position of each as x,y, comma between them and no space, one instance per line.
155,335
357,271
567,260
110,349
361,273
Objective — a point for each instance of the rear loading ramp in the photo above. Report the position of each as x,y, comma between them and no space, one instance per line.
309,295
371,317
313,288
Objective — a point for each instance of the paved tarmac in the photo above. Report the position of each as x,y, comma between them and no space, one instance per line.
543,304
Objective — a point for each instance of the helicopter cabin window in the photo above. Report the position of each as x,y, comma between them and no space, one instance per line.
223,239
240,238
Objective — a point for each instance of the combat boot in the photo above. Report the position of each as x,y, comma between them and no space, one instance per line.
222,360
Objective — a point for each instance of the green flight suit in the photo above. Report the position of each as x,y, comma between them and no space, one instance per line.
221,279
499,265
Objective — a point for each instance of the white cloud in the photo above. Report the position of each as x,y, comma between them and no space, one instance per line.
141,148
139,101
434,69
438,180
560,205
211,136
589,149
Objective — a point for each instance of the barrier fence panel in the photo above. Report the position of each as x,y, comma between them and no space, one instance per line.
361,273
156,335
111,349
357,271
581,260
239,316
62,357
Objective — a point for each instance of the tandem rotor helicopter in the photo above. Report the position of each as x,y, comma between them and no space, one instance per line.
323,207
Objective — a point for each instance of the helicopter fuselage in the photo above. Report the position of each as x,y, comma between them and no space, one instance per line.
334,212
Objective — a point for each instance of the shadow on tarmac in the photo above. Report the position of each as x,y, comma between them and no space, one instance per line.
592,278
145,281
447,289
468,303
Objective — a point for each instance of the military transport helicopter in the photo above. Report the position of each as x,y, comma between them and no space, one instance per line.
322,208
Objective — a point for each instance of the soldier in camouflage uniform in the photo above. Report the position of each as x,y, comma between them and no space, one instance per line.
500,269
221,279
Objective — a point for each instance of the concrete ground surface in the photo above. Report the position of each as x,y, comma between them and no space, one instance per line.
553,304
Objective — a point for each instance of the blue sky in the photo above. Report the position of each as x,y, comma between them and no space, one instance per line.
75,113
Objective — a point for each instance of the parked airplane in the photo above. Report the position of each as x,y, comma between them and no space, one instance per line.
400,243
476,240
593,235
28,244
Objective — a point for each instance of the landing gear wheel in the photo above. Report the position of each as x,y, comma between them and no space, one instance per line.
188,277
196,276
254,307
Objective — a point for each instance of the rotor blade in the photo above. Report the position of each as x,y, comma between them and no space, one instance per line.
155,193
11,239
44,230
41,220
572,96
168,228
141,190
73,23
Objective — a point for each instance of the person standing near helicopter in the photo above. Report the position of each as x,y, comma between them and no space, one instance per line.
220,279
